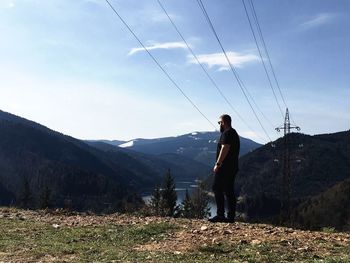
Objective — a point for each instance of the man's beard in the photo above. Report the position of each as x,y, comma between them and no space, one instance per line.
222,129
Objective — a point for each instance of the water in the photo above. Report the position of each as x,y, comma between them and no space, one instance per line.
181,192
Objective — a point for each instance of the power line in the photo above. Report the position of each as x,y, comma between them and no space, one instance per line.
261,58
267,54
240,82
204,70
254,102
158,64
235,74
266,50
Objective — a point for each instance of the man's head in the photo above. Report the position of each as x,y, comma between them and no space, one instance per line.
224,122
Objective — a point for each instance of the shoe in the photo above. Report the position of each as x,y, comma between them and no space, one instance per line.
217,219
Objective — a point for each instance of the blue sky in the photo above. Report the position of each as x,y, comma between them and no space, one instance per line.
74,67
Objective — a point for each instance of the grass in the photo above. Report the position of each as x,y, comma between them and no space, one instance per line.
264,252
103,243
26,240
328,229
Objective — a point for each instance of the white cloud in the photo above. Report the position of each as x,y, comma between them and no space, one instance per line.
219,59
166,45
318,20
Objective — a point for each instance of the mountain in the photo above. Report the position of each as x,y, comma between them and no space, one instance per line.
111,142
6,196
322,162
35,159
328,209
199,146
182,168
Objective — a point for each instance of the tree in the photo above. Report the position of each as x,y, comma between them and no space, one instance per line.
45,197
156,201
200,202
131,203
168,196
187,206
25,196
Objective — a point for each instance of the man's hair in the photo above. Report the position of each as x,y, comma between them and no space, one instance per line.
226,119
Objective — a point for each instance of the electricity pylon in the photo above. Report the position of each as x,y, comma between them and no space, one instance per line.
286,177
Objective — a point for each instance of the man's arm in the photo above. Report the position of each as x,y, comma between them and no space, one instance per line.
222,155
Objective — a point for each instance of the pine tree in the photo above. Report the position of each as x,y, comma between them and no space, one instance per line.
25,197
187,206
168,196
200,202
156,201
45,197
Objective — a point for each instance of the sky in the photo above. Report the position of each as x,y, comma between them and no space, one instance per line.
75,68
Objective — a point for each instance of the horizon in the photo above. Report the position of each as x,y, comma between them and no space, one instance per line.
170,136
73,67
174,136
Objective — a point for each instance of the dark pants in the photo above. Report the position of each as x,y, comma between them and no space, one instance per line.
224,187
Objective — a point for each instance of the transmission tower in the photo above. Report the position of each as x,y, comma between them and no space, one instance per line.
286,177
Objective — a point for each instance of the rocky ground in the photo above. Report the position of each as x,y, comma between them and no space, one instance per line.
56,236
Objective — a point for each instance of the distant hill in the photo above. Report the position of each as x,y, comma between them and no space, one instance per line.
199,146
6,196
328,209
111,142
35,160
182,168
324,162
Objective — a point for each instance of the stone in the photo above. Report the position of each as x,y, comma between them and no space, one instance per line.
228,232
204,228
256,242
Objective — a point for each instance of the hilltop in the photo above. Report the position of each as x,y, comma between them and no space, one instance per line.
198,146
322,163
40,236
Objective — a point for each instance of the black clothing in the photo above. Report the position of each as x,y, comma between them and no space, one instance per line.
230,163
217,219
225,177
224,187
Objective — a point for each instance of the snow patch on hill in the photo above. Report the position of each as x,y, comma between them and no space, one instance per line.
127,144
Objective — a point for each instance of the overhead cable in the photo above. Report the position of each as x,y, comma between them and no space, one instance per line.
205,71
261,58
234,72
158,64
268,55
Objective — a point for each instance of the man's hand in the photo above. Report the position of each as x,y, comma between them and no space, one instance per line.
222,155
216,168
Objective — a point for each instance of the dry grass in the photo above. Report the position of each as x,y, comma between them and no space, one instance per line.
39,236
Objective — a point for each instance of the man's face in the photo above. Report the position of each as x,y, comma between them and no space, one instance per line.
222,125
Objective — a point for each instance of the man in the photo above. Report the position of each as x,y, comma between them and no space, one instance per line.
225,170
